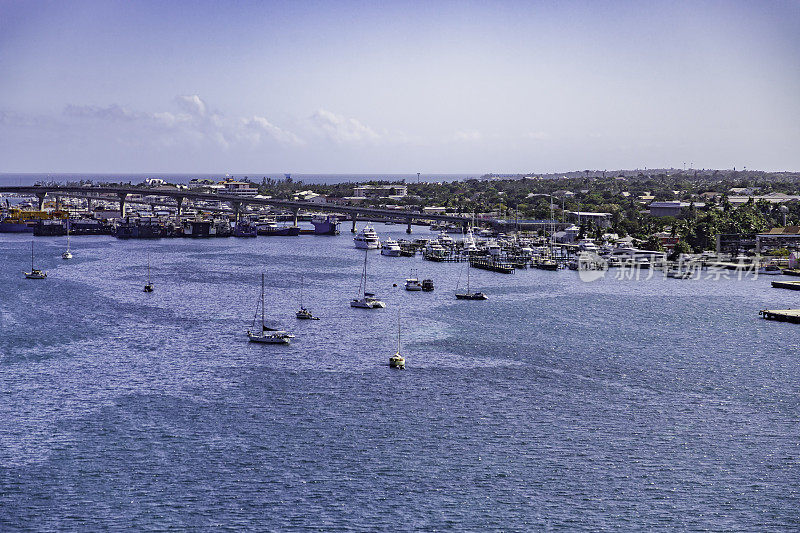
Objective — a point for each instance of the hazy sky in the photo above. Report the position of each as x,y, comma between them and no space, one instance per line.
428,87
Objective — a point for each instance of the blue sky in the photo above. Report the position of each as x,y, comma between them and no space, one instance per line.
397,86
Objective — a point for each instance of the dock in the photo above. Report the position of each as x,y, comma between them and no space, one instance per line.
492,266
793,285
782,315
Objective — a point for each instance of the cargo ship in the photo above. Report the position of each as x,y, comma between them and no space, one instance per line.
19,221
325,225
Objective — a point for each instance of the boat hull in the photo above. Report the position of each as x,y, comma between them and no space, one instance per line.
15,227
268,339
471,296
286,231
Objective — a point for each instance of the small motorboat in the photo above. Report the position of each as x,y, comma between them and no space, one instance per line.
427,285
769,270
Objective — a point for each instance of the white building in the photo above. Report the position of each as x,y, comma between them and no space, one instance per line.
239,188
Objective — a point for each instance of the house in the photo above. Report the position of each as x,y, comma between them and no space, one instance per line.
239,188
665,209
785,237
567,235
668,241
670,209
602,220
380,191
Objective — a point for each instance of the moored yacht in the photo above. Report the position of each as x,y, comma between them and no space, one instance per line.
412,283
390,248
367,239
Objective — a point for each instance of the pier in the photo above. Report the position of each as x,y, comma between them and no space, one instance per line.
781,315
793,285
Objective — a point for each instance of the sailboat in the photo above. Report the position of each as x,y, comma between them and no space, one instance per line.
304,313
67,254
35,273
366,300
263,334
468,295
397,360
149,286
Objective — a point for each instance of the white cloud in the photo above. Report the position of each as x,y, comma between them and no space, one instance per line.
260,128
342,129
467,135
195,124
192,104
537,135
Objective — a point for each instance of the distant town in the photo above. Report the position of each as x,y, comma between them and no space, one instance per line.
671,210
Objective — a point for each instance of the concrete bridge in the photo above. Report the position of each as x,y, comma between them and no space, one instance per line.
236,202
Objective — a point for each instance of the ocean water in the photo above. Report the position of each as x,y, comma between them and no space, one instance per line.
554,405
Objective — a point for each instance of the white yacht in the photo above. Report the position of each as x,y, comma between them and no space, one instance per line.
587,245
366,300
390,248
469,241
413,283
445,239
367,238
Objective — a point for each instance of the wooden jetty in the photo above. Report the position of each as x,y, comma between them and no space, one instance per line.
793,285
493,266
782,315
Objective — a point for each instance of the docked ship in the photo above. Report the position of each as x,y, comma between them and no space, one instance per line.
140,229
367,239
325,225
19,221
245,228
270,228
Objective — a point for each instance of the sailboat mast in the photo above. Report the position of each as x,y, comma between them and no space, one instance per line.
262,301
398,330
364,277
301,292
31,256
148,268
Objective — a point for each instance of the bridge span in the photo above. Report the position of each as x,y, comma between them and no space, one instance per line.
236,202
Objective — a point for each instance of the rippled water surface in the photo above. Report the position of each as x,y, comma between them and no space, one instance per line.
556,404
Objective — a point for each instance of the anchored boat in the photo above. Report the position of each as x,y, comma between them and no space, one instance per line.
263,334
35,273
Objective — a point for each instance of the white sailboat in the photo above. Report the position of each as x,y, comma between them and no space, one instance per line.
263,334
303,313
468,295
397,360
35,273
149,287
67,254
366,300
